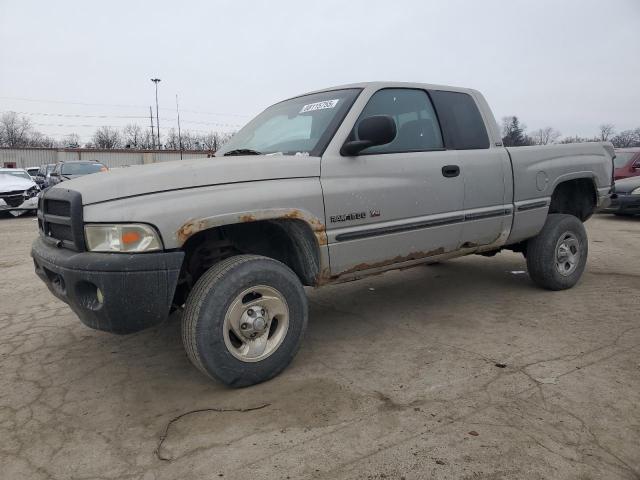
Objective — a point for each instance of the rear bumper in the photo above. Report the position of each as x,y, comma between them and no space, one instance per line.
117,293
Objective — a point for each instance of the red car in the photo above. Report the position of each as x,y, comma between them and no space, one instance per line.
627,163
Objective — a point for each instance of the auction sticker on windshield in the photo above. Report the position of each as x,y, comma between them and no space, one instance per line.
319,105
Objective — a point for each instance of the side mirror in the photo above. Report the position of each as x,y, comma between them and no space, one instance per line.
54,174
372,131
636,165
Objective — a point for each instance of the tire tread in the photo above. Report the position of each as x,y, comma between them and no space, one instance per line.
541,250
194,303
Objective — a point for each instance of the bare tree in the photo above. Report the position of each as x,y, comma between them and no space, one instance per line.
49,142
606,131
574,139
171,140
107,137
545,136
210,141
147,140
15,131
188,140
71,140
132,136
627,138
38,139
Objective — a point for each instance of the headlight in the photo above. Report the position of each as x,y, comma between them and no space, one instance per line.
32,192
121,238
636,191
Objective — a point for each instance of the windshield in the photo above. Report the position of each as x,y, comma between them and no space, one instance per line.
81,168
17,173
622,158
296,126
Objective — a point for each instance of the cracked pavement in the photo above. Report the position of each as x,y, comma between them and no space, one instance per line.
396,378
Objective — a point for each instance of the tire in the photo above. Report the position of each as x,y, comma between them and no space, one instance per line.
212,317
551,260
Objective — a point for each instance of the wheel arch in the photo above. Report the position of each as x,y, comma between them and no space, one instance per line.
292,236
575,194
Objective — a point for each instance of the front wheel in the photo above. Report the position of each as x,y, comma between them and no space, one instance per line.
244,320
557,256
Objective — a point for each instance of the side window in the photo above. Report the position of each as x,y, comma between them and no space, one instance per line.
416,121
462,124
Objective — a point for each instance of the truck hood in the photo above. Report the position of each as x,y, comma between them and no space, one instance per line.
181,174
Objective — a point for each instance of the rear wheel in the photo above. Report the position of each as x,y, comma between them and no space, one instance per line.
557,256
244,320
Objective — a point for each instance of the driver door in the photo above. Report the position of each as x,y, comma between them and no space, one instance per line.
393,203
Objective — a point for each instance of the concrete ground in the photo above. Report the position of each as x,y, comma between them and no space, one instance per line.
462,370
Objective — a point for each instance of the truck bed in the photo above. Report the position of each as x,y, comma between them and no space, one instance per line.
537,170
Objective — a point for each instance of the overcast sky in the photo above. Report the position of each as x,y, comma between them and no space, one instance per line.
571,64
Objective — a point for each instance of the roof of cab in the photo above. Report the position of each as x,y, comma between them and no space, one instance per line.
388,84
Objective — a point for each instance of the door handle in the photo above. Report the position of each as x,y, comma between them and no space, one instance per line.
450,171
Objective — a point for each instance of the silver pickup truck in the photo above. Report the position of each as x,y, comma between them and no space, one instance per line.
321,188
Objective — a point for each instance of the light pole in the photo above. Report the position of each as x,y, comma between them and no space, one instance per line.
157,81
179,134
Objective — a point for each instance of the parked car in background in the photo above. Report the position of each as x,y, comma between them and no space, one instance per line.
69,170
33,171
625,199
18,191
626,163
42,177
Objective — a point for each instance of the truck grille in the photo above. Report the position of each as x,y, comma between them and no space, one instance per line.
60,218
59,207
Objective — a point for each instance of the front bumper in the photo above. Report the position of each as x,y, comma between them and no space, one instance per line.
114,292
624,204
28,204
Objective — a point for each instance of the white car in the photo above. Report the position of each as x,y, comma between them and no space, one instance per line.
18,192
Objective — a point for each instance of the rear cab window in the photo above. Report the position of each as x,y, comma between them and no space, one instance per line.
462,125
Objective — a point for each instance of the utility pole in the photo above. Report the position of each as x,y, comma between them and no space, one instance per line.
157,81
179,134
153,135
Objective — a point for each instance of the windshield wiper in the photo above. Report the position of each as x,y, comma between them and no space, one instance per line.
242,151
